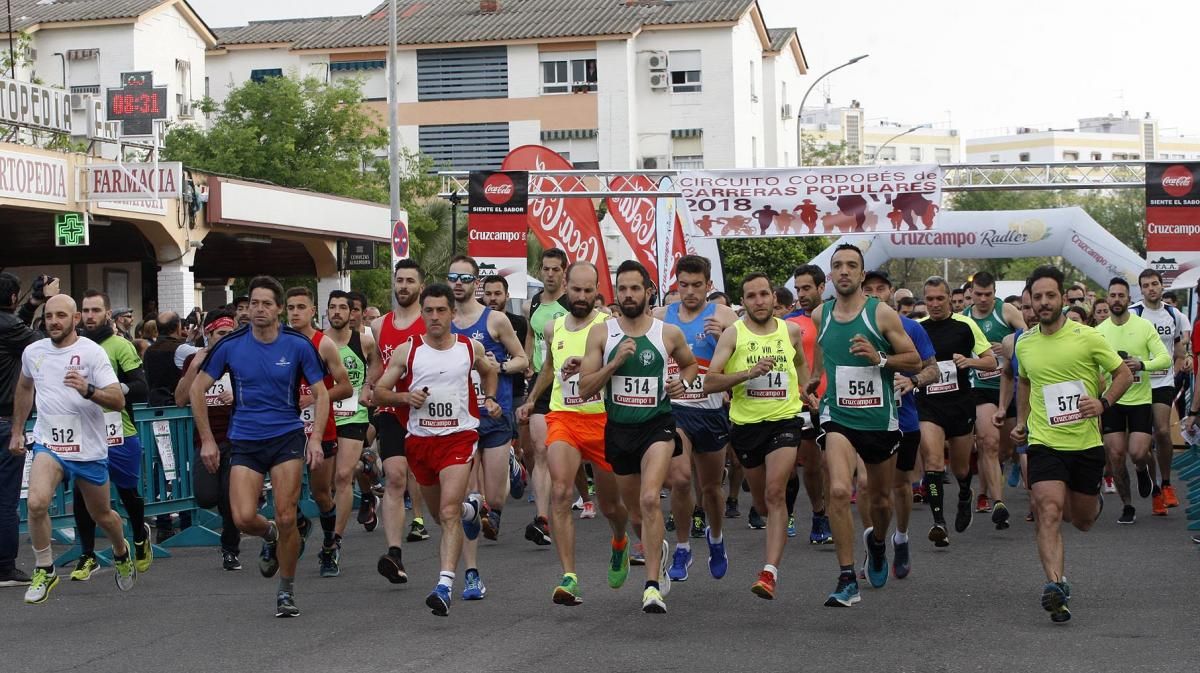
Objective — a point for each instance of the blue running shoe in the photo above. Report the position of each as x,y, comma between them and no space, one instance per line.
680,562
791,529
1014,474
268,561
877,566
438,600
821,533
474,591
517,477
846,593
1055,598
472,526
718,562
902,561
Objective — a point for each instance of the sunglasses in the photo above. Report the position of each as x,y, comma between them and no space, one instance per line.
1075,299
460,277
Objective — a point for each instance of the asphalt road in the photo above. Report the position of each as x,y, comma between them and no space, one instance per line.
971,607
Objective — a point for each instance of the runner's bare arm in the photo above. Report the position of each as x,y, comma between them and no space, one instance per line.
517,359
594,373
183,388
1020,432
678,349
716,380
817,366
489,377
1012,316
543,381
385,396
985,358
801,364
375,367
201,383
333,362
374,364
22,405
321,400
1122,378
110,397
904,355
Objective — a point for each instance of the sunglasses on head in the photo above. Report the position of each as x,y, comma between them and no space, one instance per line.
463,277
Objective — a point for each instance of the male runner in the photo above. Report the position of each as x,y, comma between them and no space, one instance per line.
301,315
265,363
809,283
1127,425
495,297
370,488
858,412
503,350
1057,400
575,432
431,374
626,359
124,448
1172,328
761,359
946,408
74,383
701,419
958,299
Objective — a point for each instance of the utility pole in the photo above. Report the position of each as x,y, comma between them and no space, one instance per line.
393,121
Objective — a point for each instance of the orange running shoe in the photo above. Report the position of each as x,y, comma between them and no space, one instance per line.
982,505
1160,504
765,586
1169,495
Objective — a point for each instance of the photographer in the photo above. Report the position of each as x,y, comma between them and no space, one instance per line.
43,288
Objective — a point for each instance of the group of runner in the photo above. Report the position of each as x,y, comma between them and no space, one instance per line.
687,399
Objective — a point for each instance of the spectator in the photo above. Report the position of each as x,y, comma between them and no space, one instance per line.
905,305
783,301
123,322
1100,311
719,298
14,337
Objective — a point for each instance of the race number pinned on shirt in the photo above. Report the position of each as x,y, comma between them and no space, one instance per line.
947,379
571,397
859,387
1062,402
989,374
635,391
212,396
66,433
114,428
345,408
308,416
770,386
693,392
440,410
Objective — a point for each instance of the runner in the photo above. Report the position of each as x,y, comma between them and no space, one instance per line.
702,420
14,337
367,469
760,359
996,320
74,384
503,351
1057,399
265,363
1006,414
626,360
575,431
495,297
809,283
858,413
1173,330
1127,425
947,409
431,375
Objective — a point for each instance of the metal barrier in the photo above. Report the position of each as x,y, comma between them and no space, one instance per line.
1187,468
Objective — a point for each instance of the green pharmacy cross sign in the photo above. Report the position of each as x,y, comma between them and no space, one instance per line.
70,230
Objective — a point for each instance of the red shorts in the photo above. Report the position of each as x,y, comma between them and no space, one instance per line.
583,432
428,456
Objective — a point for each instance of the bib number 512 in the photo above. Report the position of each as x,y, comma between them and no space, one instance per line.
62,435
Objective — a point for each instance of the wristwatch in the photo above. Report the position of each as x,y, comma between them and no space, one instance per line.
882,361
91,390
1105,403
492,398
915,381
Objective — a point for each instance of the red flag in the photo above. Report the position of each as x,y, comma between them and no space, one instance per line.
569,224
635,219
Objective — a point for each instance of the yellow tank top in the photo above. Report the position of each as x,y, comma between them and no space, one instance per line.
774,396
566,344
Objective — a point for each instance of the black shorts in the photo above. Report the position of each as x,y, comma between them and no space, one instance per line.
906,456
1081,470
353,431
1125,418
873,446
986,396
753,441
542,404
707,429
1164,395
625,445
812,426
329,447
955,416
1011,412
263,454
389,435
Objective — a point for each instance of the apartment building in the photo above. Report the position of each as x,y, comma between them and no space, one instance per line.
881,141
1105,138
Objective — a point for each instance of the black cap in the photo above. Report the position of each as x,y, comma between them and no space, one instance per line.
122,310
877,275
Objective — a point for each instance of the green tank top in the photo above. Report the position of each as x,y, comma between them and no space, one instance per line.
774,396
565,395
858,394
994,328
542,315
637,392
349,411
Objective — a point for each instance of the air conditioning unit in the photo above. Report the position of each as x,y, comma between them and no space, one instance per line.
80,101
657,61
660,81
185,109
822,127
785,111
953,133
653,163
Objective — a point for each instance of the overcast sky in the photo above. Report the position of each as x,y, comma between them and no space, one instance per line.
982,66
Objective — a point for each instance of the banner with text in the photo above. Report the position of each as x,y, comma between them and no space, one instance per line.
1173,221
811,201
635,218
498,227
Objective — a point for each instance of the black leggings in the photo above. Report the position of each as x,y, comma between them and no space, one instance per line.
85,525
231,537
793,490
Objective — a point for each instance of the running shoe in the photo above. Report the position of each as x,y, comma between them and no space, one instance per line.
618,565
846,593
938,535
764,586
578,504
1160,504
268,559
126,571
664,567
392,568
1055,598
1128,515
918,491
1000,515
567,591
285,605
1029,518
474,589
1014,475
791,528
680,562
962,520
1110,486
372,522
669,524
143,552
230,561
698,524
1169,495
652,602
1145,483
877,565
718,561
517,476
304,527
982,506
588,511
471,527
755,520
538,532
84,568
821,534
40,585
438,600
637,556
1196,539
416,531
407,500
901,559
14,577
491,524
366,508
731,510
328,561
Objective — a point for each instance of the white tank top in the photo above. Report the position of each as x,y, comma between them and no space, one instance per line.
451,406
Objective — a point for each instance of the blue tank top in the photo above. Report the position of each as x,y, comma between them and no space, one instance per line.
908,417
703,346
479,332
1016,335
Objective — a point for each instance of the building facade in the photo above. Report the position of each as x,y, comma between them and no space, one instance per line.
880,141
1107,138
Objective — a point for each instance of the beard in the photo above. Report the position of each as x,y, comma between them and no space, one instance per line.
633,310
406,300
768,316
581,310
1117,309
850,292
334,323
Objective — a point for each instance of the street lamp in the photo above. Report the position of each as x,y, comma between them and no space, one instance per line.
800,112
889,140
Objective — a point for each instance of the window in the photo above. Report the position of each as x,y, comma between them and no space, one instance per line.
1135,156
464,146
754,151
687,161
687,150
1070,156
869,151
995,158
183,83
462,74
1096,156
262,74
1023,156
941,155
569,76
753,85
886,154
914,153
685,71
1120,156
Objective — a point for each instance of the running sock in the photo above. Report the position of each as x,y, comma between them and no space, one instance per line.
792,490
933,481
899,538
394,552
651,584
328,523
772,569
272,534
683,545
716,540
43,557
468,511
135,507
446,579
848,575
287,584
964,488
620,544
820,513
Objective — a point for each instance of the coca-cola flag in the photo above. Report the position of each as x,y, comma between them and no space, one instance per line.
635,218
498,228
1173,221
569,224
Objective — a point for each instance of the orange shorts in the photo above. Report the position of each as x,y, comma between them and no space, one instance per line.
584,432
428,456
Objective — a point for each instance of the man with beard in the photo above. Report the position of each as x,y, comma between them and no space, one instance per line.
74,384
760,358
124,448
1127,425
15,336
626,360
495,297
809,282
858,412
575,433
123,322
241,310
1057,402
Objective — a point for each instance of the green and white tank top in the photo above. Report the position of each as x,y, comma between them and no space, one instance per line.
349,411
637,391
995,329
859,394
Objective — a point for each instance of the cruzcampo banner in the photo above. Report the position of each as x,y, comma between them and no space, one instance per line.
810,201
498,228
1173,220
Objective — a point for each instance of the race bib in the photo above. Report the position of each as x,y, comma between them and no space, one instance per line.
66,433
989,374
114,428
947,379
1160,375
1137,378
308,415
347,407
859,387
1062,402
635,391
770,386
693,392
440,410
570,391
212,396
